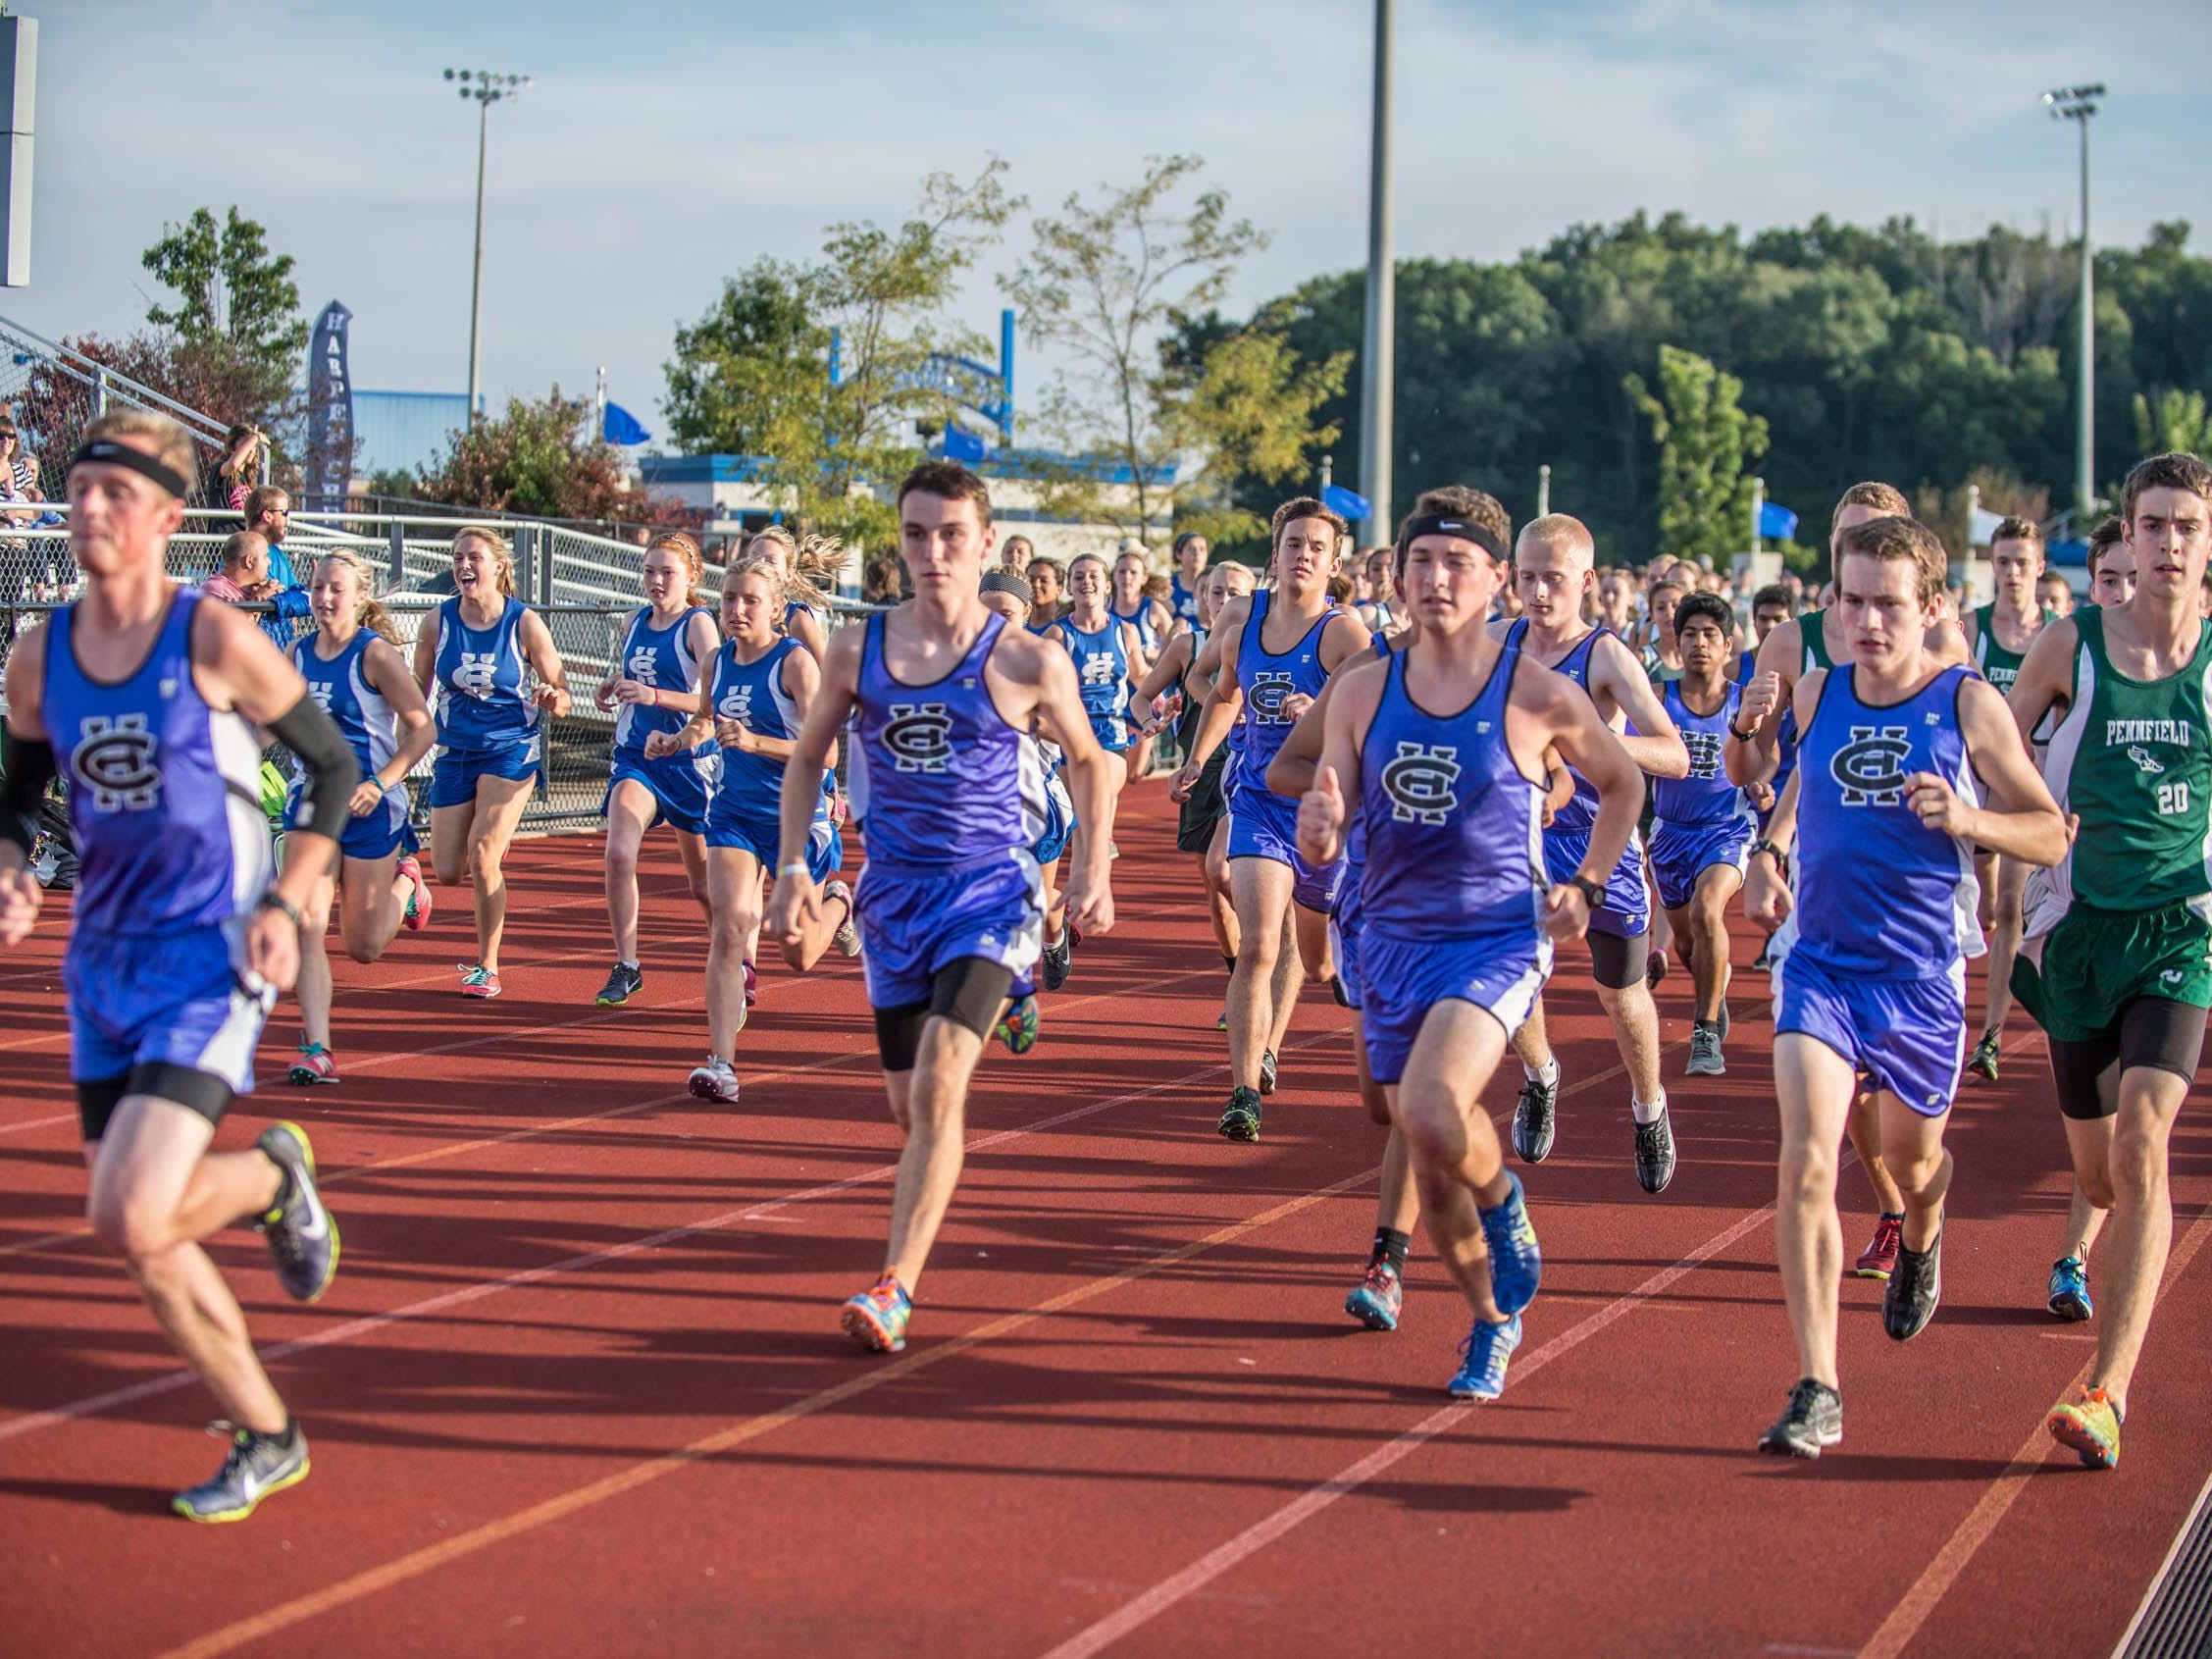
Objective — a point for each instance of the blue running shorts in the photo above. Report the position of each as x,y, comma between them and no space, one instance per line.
916,920
1909,1035
1681,852
1344,940
452,781
676,783
761,833
1626,910
175,999
381,834
1402,980
1265,826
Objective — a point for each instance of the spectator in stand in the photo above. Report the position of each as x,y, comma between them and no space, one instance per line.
244,574
1016,554
269,512
882,582
22,467
2055,594
233,478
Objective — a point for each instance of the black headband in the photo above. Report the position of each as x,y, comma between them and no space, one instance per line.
108,452
1442,524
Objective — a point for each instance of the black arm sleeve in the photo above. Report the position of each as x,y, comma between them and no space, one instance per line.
325,797
26,767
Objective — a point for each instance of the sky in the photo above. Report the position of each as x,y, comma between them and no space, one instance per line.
668,143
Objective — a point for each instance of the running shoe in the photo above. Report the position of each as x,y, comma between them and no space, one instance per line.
1222,1024
1813,1419
1482,1359
315,1064
2086,1421
1240,1120
1535,1120
1517,1263
716,1081
1984,1056
751,985
1018,1027
1655,1152
1376,1299
876,1319
1705,1050
477,980
302,1236
1267,1072
1655,969
1054,964
625,982
420,903
1764,961
2070,1288
848,940
1337,992
1909,1300
1880,1258
258,1465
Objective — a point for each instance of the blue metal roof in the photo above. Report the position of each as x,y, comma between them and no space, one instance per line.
406,431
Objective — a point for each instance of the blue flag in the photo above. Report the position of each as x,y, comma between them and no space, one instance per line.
1346,504
620,426
1776,521
962,445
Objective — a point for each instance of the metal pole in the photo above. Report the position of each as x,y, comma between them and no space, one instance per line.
1758,509
1544,491
2084,445
476,281
1377,374
1328,475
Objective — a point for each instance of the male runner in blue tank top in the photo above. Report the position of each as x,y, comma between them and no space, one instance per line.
180,939
1553,573
1438,748
1871,972
1269,656
947,694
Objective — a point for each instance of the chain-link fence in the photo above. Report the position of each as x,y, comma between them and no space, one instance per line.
55,391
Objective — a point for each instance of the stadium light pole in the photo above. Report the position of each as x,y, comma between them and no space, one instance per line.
487,89
1378,368
2077,104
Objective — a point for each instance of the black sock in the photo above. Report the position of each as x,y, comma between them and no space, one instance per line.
1391,1246
1229,963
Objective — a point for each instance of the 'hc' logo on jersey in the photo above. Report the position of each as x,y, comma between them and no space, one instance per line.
115,760
1422,782
919,736
1870,767
1270,689
644,665
735,704
477,674
320,691
1705,753
1099,669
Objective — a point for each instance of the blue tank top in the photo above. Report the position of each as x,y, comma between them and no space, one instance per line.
1182,600
944,768
1582,812
1747,667
163,791
478,676
1705,796
1140,619
1102,671
660,657
1356,832
1879,895
1452,832
752,695
793,611
1268,679
340,687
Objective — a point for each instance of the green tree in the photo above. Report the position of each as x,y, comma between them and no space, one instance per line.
541,457
2172,419
1705,440
752,377
233,298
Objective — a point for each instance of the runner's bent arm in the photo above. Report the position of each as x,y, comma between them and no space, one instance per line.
1755,760
1655,745
834,699
1593,748
1325,811
389,675
536,642
2025,822
1168,669
1298,763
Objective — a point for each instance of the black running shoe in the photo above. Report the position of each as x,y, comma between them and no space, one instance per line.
302,1236
1054,964
1535,1120
258,1465
1336,991
1813,1419
622,984
1267,1072
1240,1121
1655,1152
1916,1287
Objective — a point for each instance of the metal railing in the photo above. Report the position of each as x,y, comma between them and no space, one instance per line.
56,391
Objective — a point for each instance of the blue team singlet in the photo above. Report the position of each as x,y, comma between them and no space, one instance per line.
1879,895
1580,812
945,769
1102,671
478,676
752,695
1269,679
165,792
1705,796
1182,600
340,687
1140,619
660,657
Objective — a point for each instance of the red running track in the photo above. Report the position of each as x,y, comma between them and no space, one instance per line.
579,1388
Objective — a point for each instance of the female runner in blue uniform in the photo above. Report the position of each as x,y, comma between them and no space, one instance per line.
1153,620
355,674
476,649
652,687
1109,659
803,567
149,694
760,684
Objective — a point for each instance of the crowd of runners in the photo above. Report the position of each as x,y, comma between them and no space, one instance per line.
1413,797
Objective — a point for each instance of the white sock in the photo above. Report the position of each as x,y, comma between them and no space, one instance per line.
1549,1076
1648,1113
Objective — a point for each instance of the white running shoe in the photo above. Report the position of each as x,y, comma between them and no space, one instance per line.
716,1081
848,940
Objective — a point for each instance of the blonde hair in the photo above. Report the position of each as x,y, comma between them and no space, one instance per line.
810,563
371,615
172,446
685,549
1558,530
500,551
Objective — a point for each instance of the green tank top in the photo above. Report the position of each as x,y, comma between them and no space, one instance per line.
1813,629
1999,666
2133,761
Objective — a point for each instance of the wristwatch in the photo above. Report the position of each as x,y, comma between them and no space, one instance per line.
272,900
1781,857
1593,893
1742,737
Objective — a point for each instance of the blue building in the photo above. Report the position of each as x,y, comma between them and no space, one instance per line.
405,430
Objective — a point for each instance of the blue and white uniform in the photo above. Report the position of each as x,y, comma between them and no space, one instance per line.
1102,672
1872,962
1182,600
1140,619
340,687
660,657
747,807
958,804
1262,823
1450,892
1626,910
485,726
1703,820
174,851
794,609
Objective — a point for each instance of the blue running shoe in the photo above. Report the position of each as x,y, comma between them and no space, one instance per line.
1482,1359
1376,1299
2070,1289
1516,1264
1017,1029
876,1319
